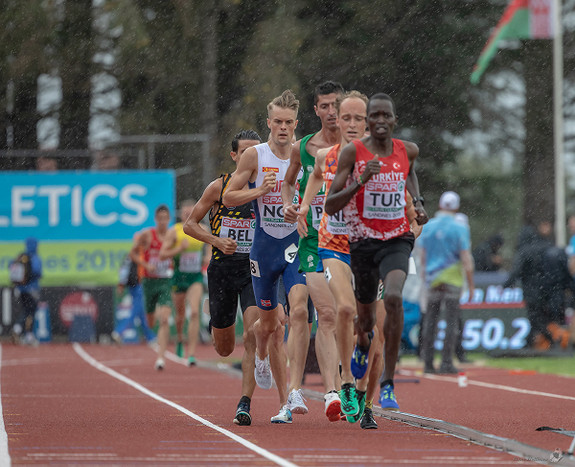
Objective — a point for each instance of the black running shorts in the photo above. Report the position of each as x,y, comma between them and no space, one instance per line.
228,281
373,259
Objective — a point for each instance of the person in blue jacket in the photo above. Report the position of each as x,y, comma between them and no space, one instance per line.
28,270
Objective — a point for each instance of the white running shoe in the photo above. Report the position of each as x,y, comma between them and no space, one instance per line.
284,416
296,403
263,373
160,364
332,406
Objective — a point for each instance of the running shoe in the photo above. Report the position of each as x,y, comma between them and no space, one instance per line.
296,402
367,421
348,398
191,361
387,398
263,373
116,337
160,364
361,404
180,349
243,416
359,359
284,416
332,406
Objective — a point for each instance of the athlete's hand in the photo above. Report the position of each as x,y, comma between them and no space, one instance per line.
415,228
302,220
227,246
269,183
151,268
373,167
420,215
291,212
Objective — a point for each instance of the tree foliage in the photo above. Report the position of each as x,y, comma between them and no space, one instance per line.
210,67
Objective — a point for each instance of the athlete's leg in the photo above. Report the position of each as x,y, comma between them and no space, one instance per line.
376,355
267,332
393,324
179,299
248,363
278,356
325,343
339,279
299,334
163,313
194,297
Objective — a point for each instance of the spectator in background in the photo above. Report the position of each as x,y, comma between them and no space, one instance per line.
529,268
571,246
46,164
486,256
25,274
445,250
130,278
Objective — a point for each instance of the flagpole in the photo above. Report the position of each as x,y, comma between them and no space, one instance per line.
560,218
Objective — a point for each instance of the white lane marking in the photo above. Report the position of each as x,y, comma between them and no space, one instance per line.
258,450
502,387
4,455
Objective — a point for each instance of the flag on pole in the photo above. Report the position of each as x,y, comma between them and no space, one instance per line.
522,19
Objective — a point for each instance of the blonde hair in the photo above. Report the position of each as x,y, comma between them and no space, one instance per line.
349,95
287,100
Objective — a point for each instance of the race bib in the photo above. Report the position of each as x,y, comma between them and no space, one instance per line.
316,207
291,253
384,200
240,230
336,224
164,269
191,261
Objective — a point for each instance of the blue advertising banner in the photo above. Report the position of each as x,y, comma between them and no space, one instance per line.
84,221
81,205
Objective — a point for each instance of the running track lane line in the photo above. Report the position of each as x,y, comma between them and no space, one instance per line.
502,387
258,450
4,455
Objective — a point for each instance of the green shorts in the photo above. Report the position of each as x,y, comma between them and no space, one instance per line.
307,251
157,292
182,281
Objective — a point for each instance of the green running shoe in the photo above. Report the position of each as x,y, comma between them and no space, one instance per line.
361,403
180,349
348,398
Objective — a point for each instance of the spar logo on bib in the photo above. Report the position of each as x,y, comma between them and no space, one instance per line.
270,169
78,304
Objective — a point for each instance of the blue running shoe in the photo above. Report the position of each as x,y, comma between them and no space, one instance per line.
387,398
359,359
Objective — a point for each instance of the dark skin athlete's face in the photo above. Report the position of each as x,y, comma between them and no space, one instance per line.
381,119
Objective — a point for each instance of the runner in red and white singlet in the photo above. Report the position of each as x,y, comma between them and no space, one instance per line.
381,168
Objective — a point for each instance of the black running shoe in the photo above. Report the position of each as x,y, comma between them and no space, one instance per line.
243,416
367,420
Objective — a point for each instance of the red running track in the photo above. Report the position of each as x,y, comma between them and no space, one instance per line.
106,405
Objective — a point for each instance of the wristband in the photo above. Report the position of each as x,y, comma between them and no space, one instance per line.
359,181
419,199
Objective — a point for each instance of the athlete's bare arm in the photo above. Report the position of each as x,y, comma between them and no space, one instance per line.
288,185
314,184
339,195
169,247
142,242
195,229
236,194
412,184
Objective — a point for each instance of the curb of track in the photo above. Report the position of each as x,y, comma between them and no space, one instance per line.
497,443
